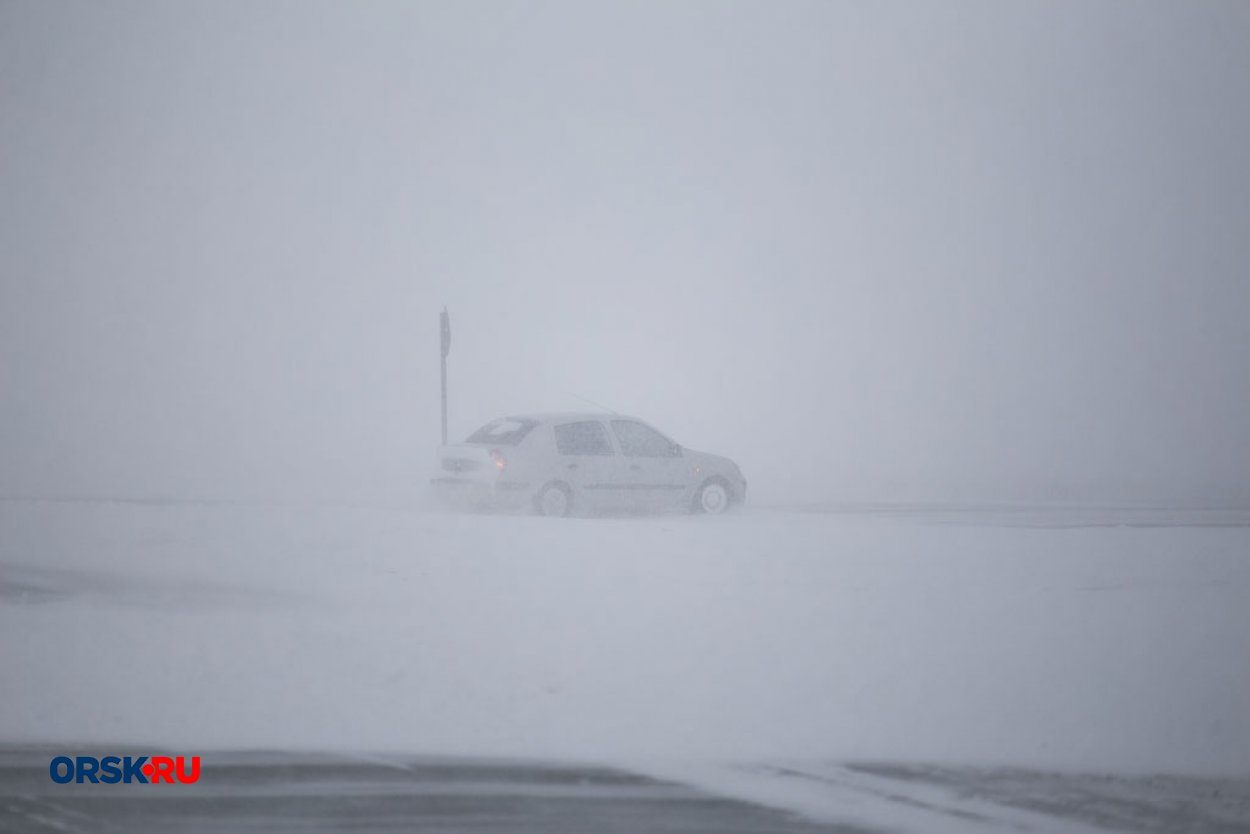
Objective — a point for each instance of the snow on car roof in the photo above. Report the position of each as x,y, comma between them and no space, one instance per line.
566,416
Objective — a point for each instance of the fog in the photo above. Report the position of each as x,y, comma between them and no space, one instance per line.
874,252
961,287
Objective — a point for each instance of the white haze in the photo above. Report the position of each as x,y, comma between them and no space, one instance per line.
959,251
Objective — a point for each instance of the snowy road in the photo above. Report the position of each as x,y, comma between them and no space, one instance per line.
272,792
239,792
1057,641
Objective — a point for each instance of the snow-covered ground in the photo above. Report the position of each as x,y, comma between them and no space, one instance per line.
1078,640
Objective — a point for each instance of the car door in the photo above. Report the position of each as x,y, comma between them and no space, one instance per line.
655,472
588,462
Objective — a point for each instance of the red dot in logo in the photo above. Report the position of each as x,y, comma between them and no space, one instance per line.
148,770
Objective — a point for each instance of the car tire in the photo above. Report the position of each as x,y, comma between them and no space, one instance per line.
713,497
554,499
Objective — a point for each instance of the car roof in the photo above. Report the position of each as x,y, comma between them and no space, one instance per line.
568,416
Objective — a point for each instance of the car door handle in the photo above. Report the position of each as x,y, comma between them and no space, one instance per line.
635,467
572,466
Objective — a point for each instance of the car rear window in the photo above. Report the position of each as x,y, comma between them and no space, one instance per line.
587,437
508,431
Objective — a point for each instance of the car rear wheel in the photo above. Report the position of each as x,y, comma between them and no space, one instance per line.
554,499
713,498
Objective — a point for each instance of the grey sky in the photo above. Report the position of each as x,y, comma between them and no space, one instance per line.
873,251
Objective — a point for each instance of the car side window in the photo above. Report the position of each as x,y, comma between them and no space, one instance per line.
587,437
641,441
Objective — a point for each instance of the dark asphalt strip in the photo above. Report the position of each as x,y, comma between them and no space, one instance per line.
300,792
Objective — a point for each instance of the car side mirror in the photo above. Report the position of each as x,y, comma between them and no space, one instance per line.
676,450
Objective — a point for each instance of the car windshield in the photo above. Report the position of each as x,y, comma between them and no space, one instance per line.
508,431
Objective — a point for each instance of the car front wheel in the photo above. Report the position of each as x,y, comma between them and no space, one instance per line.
713,498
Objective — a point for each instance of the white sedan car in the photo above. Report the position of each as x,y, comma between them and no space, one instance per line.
576,462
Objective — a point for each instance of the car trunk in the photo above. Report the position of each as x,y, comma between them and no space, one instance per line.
468,461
